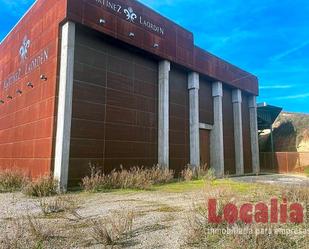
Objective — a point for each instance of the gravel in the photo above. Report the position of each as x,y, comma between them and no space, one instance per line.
160,217
158,223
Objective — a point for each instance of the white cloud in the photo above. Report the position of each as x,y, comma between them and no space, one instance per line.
289,51
297,96
276,86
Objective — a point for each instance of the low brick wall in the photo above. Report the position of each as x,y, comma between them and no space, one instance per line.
284,162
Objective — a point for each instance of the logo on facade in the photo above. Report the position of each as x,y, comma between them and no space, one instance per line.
23,51
131,16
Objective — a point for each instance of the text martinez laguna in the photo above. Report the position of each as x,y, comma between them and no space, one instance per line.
131,16
26,68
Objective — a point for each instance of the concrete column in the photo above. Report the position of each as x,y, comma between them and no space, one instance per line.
238,136
254,135
193,87
64,115
163,112
216,135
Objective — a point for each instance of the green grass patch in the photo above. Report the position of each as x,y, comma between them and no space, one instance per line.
179,187
307,171
189,186
239,187
174,187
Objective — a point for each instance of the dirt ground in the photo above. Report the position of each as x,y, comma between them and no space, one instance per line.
158,222
160,216
289,179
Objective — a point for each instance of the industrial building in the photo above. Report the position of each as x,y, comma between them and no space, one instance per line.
110,83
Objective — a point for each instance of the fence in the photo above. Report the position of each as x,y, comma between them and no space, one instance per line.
284,162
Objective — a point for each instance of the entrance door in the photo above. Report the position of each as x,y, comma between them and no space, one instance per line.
205,148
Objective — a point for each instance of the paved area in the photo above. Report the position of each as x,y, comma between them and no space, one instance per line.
291,180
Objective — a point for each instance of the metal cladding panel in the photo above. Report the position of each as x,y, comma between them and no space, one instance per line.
206,102
246,134
157,35
179,120
114,106
205,148
27,116
284,162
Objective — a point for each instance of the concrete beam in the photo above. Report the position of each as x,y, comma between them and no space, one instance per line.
163,114
238,132
193,87
64,113
254,135
216,134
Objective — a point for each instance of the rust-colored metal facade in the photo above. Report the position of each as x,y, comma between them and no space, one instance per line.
115,96
246,134
228,132
115,89
27,119
284,162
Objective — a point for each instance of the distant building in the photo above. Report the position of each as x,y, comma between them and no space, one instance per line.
113,82
283,140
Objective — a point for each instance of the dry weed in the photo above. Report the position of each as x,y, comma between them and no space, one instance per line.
112,230
41,187
191,173
296,194
12,180
134,178
59,204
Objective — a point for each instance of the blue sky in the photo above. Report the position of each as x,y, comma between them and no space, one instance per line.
268,38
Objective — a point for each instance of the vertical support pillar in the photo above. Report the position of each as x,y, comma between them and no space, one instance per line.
238,134
64,114
193,87
254,135
163,112
216,135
